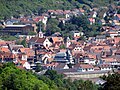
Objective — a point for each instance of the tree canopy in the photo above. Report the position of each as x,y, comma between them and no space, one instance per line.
28,7
113,82
12,78
55,79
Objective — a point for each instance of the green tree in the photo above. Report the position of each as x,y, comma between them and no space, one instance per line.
32,33
38,68
62,46
52,26
82,38
67,84
24,43
8,37
49,82
15,79
113,82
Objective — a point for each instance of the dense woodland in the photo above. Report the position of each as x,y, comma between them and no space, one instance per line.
12,78
29,7
80,23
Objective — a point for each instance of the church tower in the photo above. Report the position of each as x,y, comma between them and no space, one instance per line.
40,33
68,42
69,57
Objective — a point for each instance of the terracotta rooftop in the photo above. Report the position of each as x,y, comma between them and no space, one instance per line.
33,39
40,40
118,15
85,66
4,49
105,66
57,39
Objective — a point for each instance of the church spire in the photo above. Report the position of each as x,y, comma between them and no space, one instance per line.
40,33
40,28
68,42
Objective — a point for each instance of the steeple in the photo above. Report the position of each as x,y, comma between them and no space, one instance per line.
40,34
69,56
68,42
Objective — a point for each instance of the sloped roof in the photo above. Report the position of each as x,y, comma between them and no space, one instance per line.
33,39
118,15
105,65
60,66
4,49
57,39
7,55
40,40
85,66
27,51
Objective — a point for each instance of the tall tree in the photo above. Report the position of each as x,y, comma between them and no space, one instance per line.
24,43
113,82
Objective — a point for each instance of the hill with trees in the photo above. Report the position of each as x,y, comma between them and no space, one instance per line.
113,82
29,7
73,24
13,78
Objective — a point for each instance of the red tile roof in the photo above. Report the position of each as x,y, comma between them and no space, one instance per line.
57,39
40,40
105,66
28,51
118,15
7,55
85,66
4,49
33,39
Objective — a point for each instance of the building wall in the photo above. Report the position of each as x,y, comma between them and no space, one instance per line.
76,76
26,65
113,35
76,34
24,57
106,69
78,49
66,67
45,20
90,61
84,70
47,43
15,30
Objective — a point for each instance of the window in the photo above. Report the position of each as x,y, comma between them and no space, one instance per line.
46,45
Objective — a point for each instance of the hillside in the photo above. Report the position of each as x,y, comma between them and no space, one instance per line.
13,78
16,7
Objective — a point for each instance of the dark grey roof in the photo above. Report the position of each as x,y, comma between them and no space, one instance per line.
100,81
100,37
61,57
60,66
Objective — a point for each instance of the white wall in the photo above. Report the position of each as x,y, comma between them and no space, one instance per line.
106,68
78,49
88,61
113,35
47,43
26,65
66,67
24,57
76,34
84,70
45,20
